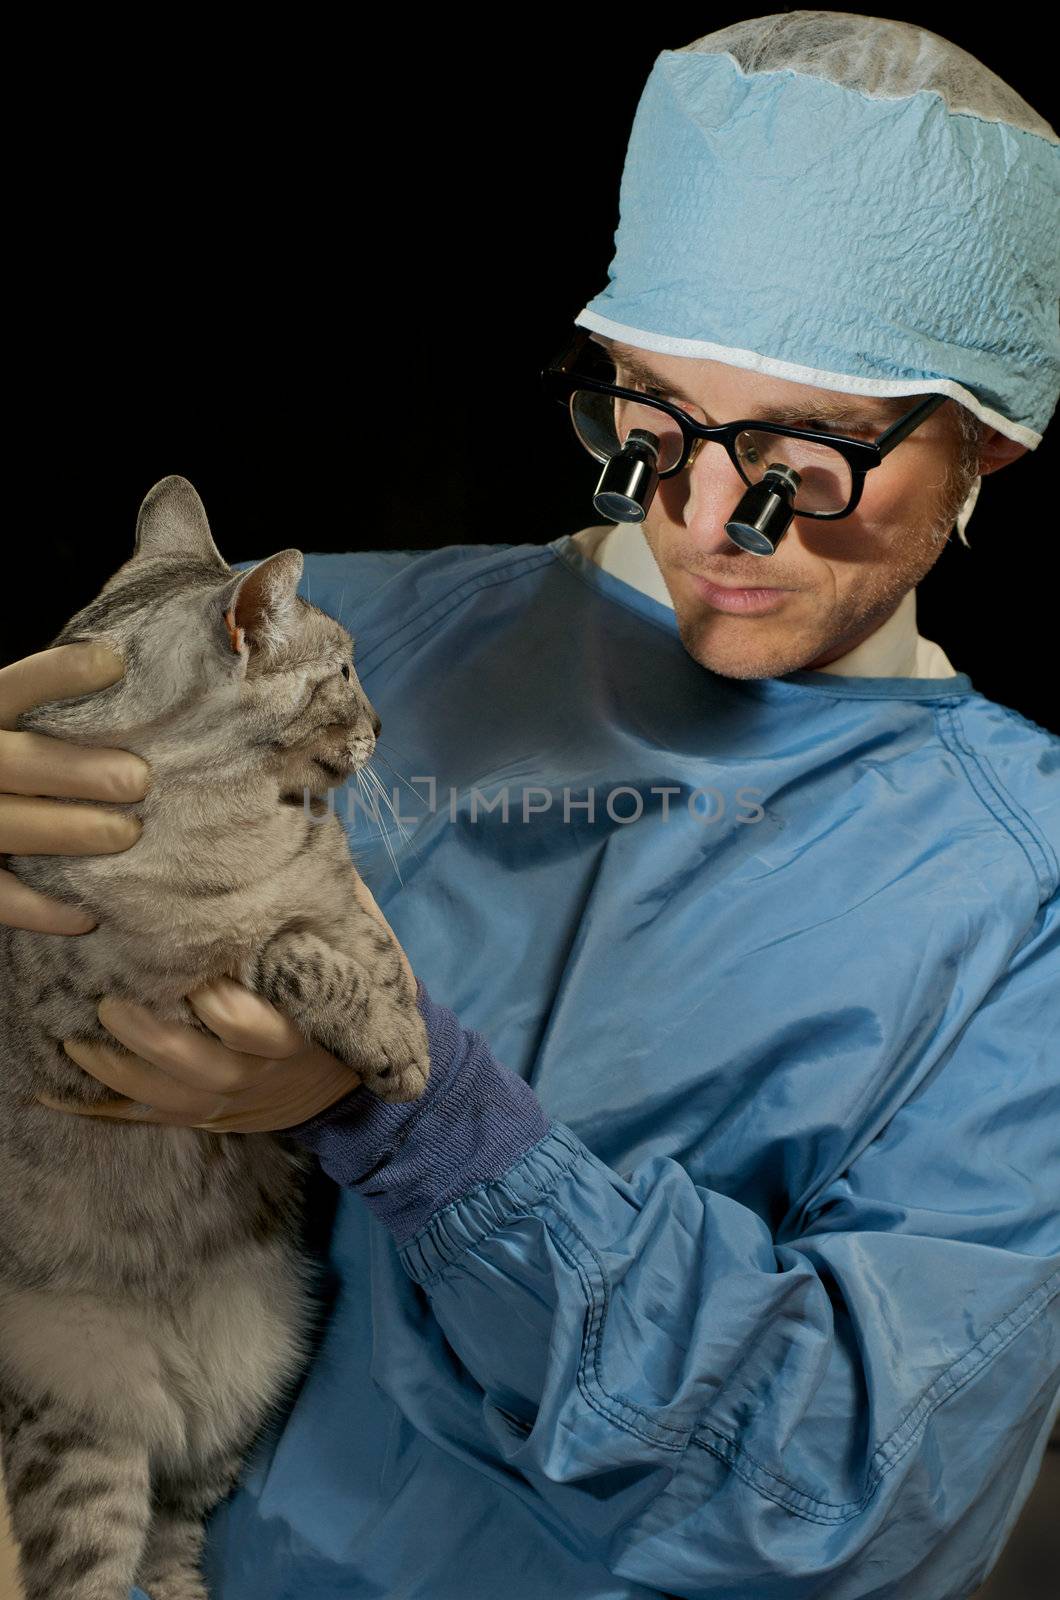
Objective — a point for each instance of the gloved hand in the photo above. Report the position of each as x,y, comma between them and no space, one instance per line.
33,766
260,1074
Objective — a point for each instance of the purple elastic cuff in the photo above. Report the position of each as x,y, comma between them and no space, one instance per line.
473,1122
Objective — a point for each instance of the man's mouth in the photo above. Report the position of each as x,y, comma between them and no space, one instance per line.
730,597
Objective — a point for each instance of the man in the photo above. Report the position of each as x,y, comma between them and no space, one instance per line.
730,1265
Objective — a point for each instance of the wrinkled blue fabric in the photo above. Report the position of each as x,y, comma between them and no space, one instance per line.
773,1309
803,229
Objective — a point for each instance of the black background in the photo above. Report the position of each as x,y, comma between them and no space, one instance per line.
318,274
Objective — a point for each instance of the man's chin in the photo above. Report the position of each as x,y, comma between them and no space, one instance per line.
739,654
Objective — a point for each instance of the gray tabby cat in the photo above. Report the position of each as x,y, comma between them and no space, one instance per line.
156,1298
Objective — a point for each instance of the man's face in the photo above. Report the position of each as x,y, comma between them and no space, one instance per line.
840,580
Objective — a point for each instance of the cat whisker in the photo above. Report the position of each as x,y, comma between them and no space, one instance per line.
372,777
381,754
369,798
394,747
372,788
390,852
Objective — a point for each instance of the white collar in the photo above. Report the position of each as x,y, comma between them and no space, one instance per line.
895,650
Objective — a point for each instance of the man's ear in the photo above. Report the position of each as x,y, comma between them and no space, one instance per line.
997,450
257,608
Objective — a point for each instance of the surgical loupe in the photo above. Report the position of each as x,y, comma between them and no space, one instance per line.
761,518
630,478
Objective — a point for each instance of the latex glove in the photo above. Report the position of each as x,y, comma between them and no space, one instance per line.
32,766
259,1075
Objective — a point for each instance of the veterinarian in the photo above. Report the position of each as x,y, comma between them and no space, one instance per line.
722,1255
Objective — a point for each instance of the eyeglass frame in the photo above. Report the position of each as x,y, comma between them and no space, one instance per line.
561,383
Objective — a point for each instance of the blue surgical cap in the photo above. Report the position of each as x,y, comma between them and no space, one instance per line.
844,219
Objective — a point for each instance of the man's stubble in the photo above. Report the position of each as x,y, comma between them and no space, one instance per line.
835,624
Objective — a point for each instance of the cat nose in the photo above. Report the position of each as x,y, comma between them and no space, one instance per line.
376,725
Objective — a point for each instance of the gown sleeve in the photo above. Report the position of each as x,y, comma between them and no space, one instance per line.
854,1406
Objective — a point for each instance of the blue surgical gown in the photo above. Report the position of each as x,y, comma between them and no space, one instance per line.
773,1312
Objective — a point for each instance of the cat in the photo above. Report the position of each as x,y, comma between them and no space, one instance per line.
157,1300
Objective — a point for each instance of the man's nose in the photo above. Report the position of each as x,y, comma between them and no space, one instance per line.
713,489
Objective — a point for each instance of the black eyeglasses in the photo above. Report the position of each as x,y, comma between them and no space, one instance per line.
831,468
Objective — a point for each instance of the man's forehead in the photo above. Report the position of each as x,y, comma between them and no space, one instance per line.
782,402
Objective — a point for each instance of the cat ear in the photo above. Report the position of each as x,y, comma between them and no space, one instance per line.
172,522
259,606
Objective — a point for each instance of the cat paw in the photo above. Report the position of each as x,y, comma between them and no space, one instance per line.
397,1066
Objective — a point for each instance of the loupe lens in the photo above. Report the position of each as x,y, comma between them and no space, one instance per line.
630,479
765,512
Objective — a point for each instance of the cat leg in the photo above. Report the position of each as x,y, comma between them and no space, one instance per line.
80,1502
362,1010
169,1568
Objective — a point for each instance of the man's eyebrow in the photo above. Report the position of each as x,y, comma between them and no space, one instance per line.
840,413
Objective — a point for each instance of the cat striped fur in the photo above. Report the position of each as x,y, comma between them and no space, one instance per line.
158,1301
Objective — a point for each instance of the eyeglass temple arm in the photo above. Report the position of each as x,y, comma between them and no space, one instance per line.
905,425
565,358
